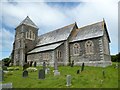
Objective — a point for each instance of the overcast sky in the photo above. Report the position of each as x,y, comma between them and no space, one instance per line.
49,16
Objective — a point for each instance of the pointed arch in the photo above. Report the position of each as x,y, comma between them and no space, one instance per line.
76,49
89,47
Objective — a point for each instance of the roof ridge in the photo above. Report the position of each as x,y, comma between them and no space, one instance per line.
29,22
57,29
90,24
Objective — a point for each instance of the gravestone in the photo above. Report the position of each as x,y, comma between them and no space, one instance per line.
103,72
78,71
6,86
56,69
47,70
56,73
44,65
25,73
35,64
1,75
68,80
31,64
72,63
82,67
41,74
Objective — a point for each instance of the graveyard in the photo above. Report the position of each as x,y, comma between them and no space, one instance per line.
80,77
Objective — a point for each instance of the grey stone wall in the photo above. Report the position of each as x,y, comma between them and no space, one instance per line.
23,45
106,48
61,60
83,57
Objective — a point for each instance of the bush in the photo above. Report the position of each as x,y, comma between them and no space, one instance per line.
31,69
16,68
10,68
4,68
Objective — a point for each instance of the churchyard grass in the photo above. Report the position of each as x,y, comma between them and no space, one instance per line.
91,77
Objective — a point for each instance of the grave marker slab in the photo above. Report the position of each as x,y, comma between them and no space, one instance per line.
35,64
72,63
6,85
68,80
82,67
25,73
41,74
56,73
78,71
44,65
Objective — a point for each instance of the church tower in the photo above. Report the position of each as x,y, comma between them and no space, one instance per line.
25,40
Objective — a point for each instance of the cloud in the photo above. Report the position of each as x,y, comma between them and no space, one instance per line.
50,17
6,42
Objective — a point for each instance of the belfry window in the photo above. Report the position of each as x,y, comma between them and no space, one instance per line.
76,49
89,47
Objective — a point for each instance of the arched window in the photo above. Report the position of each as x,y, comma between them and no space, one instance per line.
27,35
59,54
30,33
89,47
76,49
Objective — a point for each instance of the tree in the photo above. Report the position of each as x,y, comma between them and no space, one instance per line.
6,61
115,58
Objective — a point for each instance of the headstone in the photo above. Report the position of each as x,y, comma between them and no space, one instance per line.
55,65
1,75
25,73
78,71
103,72
31,64
44,65
35,64
41,74
6,85
56,73
47,70
72,63
68,80
82,67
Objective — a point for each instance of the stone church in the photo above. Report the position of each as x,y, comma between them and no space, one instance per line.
88,44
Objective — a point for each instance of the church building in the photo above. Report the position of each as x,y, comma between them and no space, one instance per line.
88,44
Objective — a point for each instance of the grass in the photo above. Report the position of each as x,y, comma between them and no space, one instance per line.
91,77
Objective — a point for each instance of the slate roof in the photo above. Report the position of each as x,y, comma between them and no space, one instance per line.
89,31
45,48
29,22
56,35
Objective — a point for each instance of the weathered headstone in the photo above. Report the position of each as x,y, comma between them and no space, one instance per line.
47,70
72,64
68,80
31,64
82,67
56,69
1,75
55,65
6,85
56,73
44,65
103,73
41,74
78,71
35,64
25,73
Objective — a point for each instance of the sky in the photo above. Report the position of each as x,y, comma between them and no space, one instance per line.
49,15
